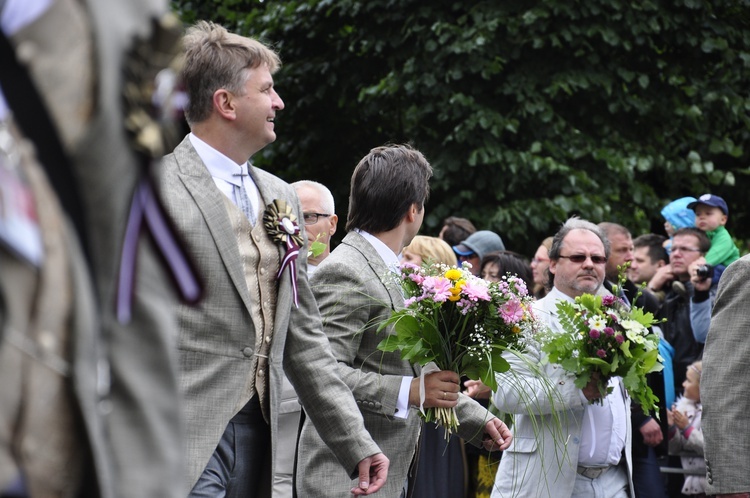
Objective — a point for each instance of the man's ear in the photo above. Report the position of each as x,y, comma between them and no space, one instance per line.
334,219
412,213
660,263
223,101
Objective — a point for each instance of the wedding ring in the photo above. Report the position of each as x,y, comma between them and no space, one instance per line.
445,394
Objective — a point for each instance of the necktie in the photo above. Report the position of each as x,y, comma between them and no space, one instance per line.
243,200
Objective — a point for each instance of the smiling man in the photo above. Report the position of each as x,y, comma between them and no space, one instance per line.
258,314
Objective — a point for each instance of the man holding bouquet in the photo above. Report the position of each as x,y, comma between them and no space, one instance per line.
357,290
567,441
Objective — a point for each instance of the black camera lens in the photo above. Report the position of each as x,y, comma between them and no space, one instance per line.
704,271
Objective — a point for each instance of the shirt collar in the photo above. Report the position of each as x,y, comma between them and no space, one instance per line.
219,165
389,257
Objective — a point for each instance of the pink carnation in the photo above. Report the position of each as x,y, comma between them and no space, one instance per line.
594,334
609,331
601,353
608,300
619,338
511,311
417,278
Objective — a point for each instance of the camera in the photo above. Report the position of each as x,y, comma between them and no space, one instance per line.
704,271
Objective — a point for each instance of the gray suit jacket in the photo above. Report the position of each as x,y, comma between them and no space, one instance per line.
724,392
355,295
217,337
77,52
543,457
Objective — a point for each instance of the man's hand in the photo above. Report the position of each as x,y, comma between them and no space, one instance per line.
477,390
699,284
440,390
660,278
591,390
651,433
373,472
497,436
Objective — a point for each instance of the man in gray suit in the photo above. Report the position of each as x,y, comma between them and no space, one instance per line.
724,391
88,397
258,318
563,445
356,291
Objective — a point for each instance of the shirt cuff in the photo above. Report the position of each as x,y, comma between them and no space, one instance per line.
402,404
700,296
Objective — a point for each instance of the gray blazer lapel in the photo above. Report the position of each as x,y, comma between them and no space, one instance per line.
386,278
201,186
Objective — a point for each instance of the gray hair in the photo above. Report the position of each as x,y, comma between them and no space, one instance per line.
325,195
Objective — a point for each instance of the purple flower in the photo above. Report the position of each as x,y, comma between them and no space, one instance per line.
601,353
594,334
619,338
609,331
608,300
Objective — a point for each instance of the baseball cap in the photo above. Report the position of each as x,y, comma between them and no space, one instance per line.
710,200
480,243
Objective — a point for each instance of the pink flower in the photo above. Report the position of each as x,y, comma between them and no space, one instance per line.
476,290
410,301
438,287
608,300
609,331
601,353
417,278
619,338
511,311
594,334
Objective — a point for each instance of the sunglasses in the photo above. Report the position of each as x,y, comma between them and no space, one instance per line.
580,258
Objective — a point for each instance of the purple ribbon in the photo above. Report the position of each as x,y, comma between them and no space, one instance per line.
290,260
146,207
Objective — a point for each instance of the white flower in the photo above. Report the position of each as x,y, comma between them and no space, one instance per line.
597,323
635,336
634,326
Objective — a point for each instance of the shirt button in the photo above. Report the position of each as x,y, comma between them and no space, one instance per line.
268,339
262,271
261,373
248,351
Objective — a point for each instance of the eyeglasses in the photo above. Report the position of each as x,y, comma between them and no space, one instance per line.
684,249
580,258
312,218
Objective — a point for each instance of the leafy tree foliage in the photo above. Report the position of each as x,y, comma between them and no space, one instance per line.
529,111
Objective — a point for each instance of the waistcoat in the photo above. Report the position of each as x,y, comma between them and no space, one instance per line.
260,263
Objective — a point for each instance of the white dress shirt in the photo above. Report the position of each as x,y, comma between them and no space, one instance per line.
226,172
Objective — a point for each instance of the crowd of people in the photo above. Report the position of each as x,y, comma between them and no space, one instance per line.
234,352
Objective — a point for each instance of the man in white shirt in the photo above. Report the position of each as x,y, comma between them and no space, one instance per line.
564,445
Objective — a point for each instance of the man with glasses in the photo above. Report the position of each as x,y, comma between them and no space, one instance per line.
563,444
685,332
318,210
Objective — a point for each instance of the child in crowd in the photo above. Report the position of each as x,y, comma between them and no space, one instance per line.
677,215
711,215
685,433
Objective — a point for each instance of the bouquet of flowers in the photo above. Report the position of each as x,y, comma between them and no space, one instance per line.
459,322
604,335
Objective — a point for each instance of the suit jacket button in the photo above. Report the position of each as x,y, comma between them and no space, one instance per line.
248,351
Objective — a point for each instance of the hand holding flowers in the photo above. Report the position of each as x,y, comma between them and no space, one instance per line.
460,323
604,338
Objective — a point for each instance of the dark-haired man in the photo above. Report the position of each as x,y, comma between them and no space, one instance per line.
356,292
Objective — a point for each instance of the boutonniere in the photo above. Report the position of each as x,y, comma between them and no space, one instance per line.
281,224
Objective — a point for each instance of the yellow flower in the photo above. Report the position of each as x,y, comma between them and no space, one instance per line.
453,274
456,291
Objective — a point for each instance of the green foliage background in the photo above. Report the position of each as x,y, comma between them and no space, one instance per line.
529,111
